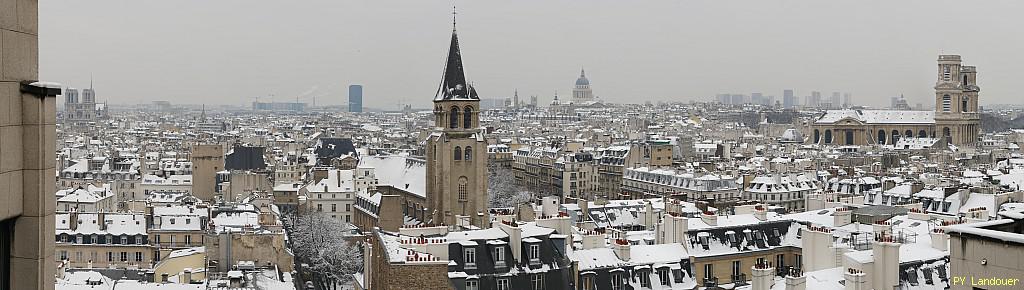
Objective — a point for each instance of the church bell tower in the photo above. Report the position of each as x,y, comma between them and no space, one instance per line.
456,151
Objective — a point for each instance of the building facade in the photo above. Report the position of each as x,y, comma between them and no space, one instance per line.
956,116
581,92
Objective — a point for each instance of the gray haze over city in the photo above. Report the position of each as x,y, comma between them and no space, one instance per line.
229,52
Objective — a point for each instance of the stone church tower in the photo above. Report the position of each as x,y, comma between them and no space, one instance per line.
956,101
456,151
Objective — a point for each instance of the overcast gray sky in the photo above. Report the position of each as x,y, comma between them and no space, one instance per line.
223,52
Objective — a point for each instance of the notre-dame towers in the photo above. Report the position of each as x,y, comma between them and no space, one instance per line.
456,151
956,101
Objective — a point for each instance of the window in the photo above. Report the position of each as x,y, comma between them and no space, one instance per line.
709,271
499,255
964,104
172,221
334,207
110,256
780,261
320,207
138,256
463,188
799,261
469,256
172,241
588,282
472,285
503,284
124,256
156,239
945,73
617,283
188,239
78,256
124,240
458,153
469,153
467,117
947,103
663,276
534,253
453,118
645,279
537,281
736,270
63,255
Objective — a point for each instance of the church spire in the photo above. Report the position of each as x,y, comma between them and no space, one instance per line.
453,80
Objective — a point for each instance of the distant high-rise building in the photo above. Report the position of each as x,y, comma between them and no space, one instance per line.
847,100
757,98
836,101
788,99
724,99
355,98
738,99
814,100
533,101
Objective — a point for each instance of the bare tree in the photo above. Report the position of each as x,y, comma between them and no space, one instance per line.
320,241
502,190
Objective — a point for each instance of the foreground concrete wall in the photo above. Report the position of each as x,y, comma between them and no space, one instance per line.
27,146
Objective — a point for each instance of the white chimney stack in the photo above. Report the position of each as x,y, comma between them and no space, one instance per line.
709,218
796,281
763,276
842,216
940,241
621,249
855,279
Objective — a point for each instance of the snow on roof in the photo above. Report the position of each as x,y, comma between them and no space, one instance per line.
401,172
186,252
116,224
878,116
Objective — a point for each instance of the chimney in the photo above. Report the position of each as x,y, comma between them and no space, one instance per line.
186,277
855,279
673,229
886,253
795,280
881,227
101,219
621,249
709,218
549,206
761,212
762,276
73,219
515,238
916,187
593,240
584,209
940,241
648,215
842,216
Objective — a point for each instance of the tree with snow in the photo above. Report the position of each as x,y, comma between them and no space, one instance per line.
320,242
502,190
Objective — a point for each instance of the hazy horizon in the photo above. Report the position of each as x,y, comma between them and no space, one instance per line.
230,52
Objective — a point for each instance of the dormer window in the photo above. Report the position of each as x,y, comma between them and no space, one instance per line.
534,253
469,256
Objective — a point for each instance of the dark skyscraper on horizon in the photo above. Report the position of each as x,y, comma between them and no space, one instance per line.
355,98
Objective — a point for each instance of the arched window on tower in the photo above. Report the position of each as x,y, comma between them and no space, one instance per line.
458,153
947,134
881,137
453,118
965,104
945,73
947,103
469,153
463,188
965,81
467,118
828,136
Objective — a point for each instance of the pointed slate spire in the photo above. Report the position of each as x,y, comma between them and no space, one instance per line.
453,81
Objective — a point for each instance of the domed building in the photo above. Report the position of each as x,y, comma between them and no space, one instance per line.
581,93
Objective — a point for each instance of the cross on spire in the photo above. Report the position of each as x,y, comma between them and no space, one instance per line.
454,13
